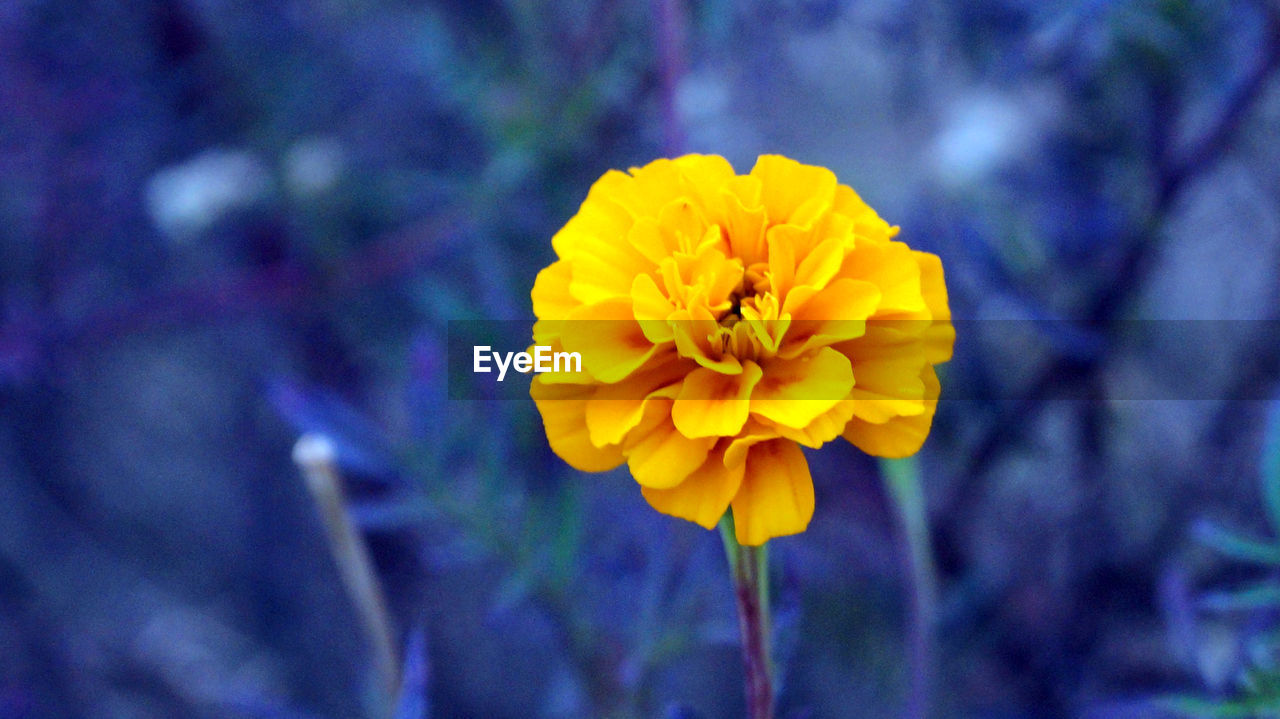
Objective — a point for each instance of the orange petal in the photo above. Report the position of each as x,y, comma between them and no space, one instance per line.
892,268
649,239
643,191
794,392
658,455
835,314
867,224
598,216
744,219
821,263
786,185
705,175
609,339
550,294
776,496
704,495
899,436
887,388
693,332
563,410
651,308
752,434
543,334
616,409
603,265
822,429
941,336
712,404
782,263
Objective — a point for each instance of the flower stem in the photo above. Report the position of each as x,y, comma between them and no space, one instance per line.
902,479
749,569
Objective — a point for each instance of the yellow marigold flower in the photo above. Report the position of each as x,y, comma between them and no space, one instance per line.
724,320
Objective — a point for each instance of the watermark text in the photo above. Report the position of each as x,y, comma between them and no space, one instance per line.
542,360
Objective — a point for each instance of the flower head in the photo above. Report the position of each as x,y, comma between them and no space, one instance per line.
724,320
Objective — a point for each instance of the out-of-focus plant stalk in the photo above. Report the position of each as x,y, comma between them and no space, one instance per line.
902,480
316,459
749,569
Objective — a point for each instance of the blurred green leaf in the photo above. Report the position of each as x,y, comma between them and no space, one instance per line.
1259,596
1270,465
1235,546
1196,707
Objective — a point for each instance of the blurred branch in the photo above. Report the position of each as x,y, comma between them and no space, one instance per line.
1139,256
316,459
1214,141
283,285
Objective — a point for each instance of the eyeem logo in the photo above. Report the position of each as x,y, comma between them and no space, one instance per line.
542,360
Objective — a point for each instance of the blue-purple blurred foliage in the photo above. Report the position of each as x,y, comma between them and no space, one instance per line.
223,224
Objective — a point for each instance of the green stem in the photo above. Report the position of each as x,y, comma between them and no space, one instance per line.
749,569
902,479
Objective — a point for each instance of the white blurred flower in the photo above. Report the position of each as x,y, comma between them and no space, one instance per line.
983,132
701,96
186,198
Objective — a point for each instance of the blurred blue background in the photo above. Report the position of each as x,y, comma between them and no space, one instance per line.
225,224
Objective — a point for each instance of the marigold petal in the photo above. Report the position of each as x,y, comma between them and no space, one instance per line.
550,293
706,175
745,219
867,224
786,185
747,190
693,340
821,264
794,392
681,218
704,495
776,496
652,309
605,272
655,185
643,191
887,388
843,300
900,436
659,456
649,240
893,269
795,240
822,429
609,339
712,404
835,314
602,267
752,434
563,410
782,263
616,409
598,216
940,337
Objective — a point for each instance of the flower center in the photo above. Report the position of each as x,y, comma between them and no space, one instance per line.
734,314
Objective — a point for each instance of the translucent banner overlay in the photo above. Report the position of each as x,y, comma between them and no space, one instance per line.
993,359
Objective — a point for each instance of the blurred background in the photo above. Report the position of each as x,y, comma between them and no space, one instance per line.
226,224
